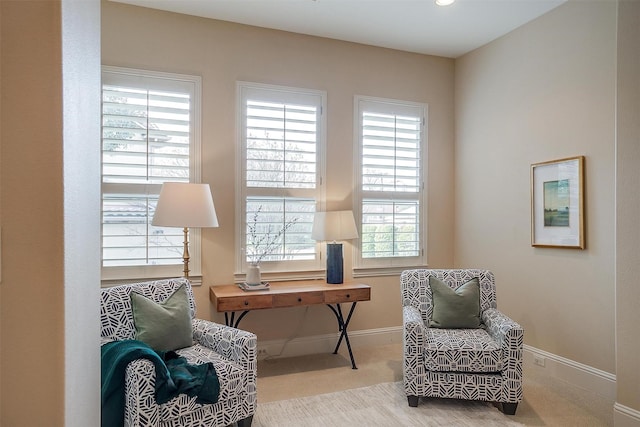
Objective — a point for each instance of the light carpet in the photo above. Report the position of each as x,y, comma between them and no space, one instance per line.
381,405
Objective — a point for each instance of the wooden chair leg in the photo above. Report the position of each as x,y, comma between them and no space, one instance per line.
413,401
509,408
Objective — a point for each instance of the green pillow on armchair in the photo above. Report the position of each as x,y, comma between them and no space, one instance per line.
452,309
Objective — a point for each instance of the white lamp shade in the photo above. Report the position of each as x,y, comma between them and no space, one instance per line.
335,225
184,204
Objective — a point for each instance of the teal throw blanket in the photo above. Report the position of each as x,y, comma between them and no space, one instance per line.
173,377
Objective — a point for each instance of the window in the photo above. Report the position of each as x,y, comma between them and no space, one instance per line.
150,134
281,145
390,200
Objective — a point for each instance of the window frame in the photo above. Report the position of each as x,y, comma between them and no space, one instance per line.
274,270
158,80
384,266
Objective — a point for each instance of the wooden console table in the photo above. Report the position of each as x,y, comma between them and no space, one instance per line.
229,299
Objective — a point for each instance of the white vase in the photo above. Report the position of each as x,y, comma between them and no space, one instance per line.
253,275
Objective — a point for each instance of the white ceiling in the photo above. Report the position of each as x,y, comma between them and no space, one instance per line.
411,25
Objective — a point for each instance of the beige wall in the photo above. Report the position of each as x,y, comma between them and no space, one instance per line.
544,113
545,91
0,210
32,216
49,203
628,208
223,53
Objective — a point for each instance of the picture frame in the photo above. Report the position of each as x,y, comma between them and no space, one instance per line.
557,203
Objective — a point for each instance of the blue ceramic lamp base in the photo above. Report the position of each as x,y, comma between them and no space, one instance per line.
334,263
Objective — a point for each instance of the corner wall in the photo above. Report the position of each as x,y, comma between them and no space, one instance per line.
49,316
544,91
0,211
627,408
81,95
32,286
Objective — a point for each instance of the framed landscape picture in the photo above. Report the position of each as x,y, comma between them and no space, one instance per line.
557,203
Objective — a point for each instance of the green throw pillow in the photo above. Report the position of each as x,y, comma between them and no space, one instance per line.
458,308
163,326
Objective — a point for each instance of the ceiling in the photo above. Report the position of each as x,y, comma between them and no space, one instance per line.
411,25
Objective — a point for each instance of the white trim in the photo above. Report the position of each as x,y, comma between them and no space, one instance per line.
285,276
193,280
388,271
326,343
623,416
581,375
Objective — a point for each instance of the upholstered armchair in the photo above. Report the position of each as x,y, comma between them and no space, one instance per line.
232,352
480,361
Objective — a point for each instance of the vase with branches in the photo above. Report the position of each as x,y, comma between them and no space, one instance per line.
262,243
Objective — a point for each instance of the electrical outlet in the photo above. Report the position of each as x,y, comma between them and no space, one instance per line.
539,360
262,352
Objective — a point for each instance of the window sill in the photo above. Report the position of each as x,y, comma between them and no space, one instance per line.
383,271
194,280
280,276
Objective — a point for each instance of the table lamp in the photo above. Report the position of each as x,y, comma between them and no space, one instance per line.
330,227
185,205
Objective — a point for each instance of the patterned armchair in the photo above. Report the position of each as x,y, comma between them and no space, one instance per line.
232,351
475,364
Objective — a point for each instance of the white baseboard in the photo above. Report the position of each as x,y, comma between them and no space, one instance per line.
584,376
623,416
326,343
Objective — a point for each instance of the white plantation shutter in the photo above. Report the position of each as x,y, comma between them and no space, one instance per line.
390,228
129,239
149,136
391,152
267,216
281,145
391,148
145,135
281,163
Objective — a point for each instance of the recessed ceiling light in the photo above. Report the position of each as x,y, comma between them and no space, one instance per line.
444,2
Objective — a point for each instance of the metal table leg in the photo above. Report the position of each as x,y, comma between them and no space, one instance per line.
229,318
342,327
